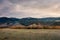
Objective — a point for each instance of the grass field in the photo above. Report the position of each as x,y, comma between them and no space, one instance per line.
29,34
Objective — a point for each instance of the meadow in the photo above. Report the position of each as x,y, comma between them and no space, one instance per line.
29,34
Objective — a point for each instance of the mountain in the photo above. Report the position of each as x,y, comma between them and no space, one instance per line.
7,22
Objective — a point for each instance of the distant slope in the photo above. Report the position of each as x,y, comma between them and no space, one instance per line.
7,22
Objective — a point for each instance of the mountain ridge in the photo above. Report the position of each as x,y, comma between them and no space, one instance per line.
5,21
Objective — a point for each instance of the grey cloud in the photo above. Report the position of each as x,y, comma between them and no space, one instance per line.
4,11
35,3
1,1
6,6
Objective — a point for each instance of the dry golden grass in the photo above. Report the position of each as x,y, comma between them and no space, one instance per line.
29,34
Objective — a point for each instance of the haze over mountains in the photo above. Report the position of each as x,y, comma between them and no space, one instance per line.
49,21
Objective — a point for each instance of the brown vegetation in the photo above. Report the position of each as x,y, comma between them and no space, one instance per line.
33,26
17,27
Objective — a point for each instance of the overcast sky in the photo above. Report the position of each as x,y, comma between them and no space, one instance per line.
30,8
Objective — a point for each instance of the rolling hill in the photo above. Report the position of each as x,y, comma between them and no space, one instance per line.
8,22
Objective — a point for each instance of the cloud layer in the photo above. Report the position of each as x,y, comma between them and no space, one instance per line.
30,8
